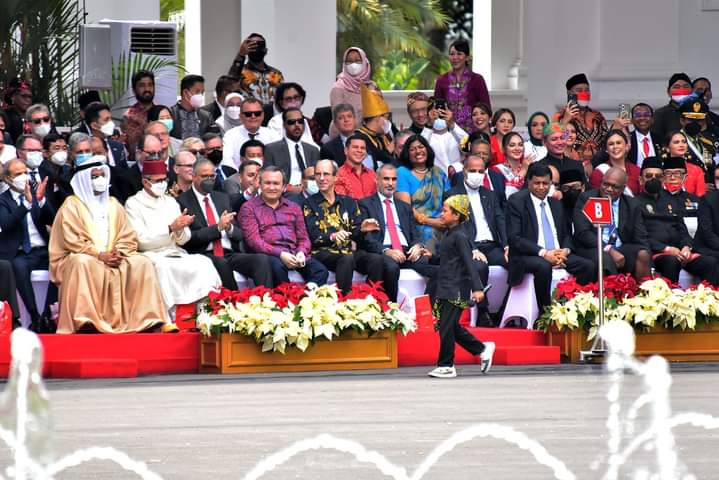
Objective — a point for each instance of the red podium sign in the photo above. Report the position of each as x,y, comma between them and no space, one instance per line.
598,210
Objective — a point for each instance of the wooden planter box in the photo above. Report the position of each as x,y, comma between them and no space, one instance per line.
234,353
699,345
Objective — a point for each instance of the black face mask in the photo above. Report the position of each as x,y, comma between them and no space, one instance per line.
257,56
207,185
569,198
215,156
693,128
653,186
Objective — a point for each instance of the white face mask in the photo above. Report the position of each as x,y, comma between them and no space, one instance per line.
259,160
59,158
474,180
197,100
41,130
354,69
312,187
159,189
439,124
387,126
99,184
33,160
19,182
108,129
233,112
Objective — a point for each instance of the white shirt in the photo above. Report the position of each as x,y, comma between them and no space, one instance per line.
277,125
445,146
640,147
295,170
226,244
36,239
480,221
234,139
395,215
538,211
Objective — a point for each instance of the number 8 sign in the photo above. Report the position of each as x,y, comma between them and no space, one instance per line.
598,210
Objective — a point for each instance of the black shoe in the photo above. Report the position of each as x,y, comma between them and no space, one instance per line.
483,319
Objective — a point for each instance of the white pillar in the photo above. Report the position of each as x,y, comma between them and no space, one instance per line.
482,40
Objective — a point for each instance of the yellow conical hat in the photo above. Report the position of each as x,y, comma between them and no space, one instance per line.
373,105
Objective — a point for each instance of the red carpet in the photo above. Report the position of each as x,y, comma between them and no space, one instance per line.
515,346
113,356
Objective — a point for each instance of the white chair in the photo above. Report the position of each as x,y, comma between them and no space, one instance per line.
495,297
411,286
40,281
522,301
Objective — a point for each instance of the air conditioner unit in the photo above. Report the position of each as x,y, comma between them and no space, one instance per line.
149,38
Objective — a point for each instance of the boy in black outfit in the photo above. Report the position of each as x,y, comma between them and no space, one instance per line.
455,273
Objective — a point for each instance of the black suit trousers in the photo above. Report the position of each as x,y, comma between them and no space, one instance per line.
495,256
450,331
392,270
704,267
583,269
23,264
344,266
255,266
8,288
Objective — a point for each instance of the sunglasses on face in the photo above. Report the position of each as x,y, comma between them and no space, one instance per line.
38,121
255,113
289,99
296,121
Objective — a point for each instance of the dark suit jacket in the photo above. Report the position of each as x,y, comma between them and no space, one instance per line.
706,240
334,150
523,231
118,153
493,213
495,178
278,154
58,183
631,224
213,109
206,121
202,234
298,198
371,207
11,215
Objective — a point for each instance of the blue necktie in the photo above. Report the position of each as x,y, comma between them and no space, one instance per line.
547,229
26,246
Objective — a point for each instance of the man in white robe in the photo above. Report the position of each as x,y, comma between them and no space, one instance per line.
161,229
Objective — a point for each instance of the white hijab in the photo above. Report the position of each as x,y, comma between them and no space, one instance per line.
98,205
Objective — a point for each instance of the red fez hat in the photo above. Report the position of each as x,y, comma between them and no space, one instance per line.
154,167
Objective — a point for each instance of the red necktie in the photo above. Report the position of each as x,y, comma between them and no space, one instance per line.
646,147
486,183
217,249
392,227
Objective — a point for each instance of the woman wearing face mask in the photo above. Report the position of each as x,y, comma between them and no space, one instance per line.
534,147
461,87
503,122
617,147
676,146
481,116
515,167
162,113
356,71
231,118
421,184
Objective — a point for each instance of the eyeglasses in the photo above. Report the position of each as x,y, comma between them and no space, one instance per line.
38,121
640,115
323,174
196,152
674,174
254,113
294,121
207,177
417,110
293,98
184,165
151,154
159,180
649,176
613,186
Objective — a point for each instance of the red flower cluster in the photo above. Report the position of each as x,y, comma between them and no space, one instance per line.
615,286
363,290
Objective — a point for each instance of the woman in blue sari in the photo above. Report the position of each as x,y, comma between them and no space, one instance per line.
422,185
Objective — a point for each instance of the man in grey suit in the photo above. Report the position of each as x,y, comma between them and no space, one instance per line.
291,154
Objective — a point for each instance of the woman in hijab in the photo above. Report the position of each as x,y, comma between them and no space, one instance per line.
356,71
535,145
105,285
231,118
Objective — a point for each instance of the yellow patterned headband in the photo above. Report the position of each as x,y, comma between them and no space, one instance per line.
459,203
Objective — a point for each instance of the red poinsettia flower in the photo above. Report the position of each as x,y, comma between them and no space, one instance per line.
363,290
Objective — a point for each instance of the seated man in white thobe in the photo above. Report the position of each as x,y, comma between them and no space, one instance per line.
161,229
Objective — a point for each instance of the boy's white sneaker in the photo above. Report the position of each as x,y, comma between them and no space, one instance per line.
443,372
486,356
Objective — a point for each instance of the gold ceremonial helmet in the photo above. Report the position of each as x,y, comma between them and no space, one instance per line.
373,105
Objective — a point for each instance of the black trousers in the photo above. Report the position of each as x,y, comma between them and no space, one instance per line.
370,264
392,270
8,288
704,267
23,265
450,331
312,272
495,256
583,269
629,250
252,265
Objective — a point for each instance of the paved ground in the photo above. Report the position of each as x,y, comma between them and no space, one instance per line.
219,427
